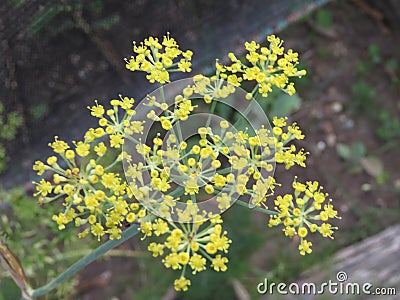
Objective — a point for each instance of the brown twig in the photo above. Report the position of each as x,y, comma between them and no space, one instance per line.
373,13
171,294
12,265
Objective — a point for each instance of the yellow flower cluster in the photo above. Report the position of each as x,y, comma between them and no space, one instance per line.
267,66
168,180
88,176
285,154
211,88
190,246
299,211
178,112
158,59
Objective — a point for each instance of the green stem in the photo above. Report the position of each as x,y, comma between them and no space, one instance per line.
385,147
193,198
83,262
111,253
260,209
239,122
213,105
178,190
177,124
112,165
132,139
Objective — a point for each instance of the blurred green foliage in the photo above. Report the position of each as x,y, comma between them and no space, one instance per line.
39,111
58,16
324,18
357,160
392,64
389,127
363,97
9,124
374,53
34,238
351,155
363,67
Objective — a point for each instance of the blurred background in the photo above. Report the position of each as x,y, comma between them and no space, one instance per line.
56,57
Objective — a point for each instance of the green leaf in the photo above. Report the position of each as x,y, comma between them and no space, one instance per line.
343,151
363,98
392,64
357,151
96,7
363,67
44,17
372,165
107,22
374,53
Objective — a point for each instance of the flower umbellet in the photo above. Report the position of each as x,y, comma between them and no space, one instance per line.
267,66
122,173
159,58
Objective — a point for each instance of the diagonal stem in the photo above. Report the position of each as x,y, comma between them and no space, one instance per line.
260,209
83,262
